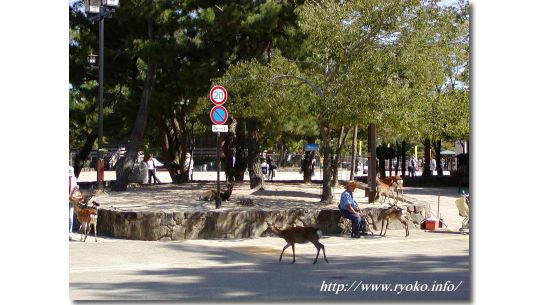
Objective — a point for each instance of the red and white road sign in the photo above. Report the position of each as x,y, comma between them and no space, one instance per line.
218,115
218,95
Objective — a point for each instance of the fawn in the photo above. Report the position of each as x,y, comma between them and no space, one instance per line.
299,235
87,216
392,212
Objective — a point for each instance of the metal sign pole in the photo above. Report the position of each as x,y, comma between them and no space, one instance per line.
218,200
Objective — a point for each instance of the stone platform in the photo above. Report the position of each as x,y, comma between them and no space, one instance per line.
173,212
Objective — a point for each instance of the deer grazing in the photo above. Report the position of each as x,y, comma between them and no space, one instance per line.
392,212
299,235
87,216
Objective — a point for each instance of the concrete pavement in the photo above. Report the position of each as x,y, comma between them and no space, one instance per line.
424,266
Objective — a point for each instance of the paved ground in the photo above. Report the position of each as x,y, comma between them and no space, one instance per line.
238,270
425,266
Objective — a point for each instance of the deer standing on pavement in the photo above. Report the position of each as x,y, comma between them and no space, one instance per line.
299,235
87,216
392,212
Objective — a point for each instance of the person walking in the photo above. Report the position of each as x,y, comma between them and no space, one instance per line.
152,164
350,210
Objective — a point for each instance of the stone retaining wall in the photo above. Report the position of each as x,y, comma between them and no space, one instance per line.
231,224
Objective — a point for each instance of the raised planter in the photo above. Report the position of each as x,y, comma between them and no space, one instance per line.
232,224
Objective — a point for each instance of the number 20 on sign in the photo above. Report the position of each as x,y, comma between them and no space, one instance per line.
218,95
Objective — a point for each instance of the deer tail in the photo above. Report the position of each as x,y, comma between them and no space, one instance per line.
318,232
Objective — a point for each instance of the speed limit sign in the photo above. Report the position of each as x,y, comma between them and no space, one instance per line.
218,95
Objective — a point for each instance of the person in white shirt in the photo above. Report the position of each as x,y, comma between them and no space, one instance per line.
152,164
189,163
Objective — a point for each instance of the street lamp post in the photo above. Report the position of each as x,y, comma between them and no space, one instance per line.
102,8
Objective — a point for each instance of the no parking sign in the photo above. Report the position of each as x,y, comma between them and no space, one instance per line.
218,115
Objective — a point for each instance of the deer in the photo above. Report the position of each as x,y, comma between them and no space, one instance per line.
227,193
209,195
384,187
392,212
299,235
396,182
87,216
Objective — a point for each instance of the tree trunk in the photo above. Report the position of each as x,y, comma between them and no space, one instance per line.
282,152
241,156
254,167
327,193
381,157
353,153
437,149
341,141
426,172
137,133
399,165
169,148
228,150
404,159
84,152
306,166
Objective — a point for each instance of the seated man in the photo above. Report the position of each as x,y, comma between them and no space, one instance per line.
349,209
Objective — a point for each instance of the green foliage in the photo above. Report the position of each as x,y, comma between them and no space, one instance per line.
294,67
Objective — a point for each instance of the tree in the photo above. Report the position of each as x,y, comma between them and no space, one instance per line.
347,44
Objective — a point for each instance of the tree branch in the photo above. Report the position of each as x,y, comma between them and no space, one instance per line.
304,80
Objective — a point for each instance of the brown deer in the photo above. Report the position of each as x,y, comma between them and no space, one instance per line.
384,188
396,182
299,235
209,195
87,216
392,212
227,193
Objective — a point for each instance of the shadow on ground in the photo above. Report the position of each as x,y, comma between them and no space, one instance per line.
240,277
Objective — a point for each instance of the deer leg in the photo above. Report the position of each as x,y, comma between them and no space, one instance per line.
404,223
86,231
317,254
405,226
293,249
322,248
285,247
82,229
386,227
95,231
382,225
